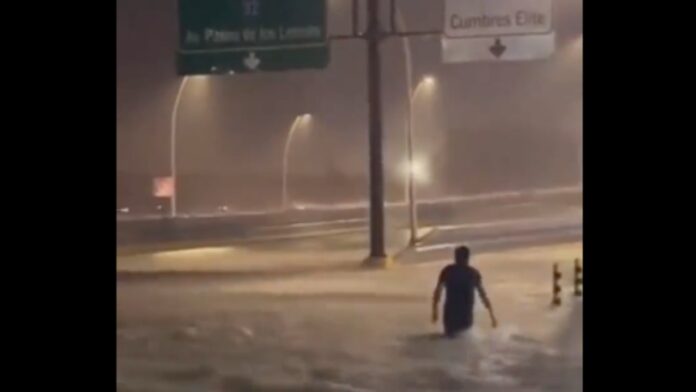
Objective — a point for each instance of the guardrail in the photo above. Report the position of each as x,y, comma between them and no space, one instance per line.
212,227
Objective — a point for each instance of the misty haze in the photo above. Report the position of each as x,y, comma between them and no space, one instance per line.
484,127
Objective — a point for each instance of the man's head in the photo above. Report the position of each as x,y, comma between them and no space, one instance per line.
461,255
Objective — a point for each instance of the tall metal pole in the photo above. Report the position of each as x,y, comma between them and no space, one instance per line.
172,146
374,36
410,194
412,213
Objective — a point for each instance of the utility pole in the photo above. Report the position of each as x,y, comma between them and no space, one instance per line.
374,36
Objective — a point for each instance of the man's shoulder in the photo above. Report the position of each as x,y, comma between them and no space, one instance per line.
475,272
446,270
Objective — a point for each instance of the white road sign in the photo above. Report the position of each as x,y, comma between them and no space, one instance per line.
497,30
496,18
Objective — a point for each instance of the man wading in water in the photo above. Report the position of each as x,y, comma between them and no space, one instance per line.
460,280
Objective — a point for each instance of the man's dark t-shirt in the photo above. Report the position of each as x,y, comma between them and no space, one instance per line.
460,283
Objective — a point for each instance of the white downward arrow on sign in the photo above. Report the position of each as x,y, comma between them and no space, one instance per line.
251,61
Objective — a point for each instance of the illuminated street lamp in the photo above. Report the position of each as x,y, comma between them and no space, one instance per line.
300,120
428,82
172,140
418,170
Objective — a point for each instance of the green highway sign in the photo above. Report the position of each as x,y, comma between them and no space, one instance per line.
232,36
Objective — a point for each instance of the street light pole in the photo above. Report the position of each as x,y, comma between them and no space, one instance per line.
409,196
411,188
172,147
286,153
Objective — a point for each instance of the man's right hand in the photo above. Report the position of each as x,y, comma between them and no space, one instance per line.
494,321
434,315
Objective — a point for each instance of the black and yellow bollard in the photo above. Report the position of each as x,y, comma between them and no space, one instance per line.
556,301
577,282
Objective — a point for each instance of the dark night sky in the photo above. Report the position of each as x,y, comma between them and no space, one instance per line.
239,123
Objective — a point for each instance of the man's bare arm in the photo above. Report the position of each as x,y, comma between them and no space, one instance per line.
483,295
486,302
436,299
